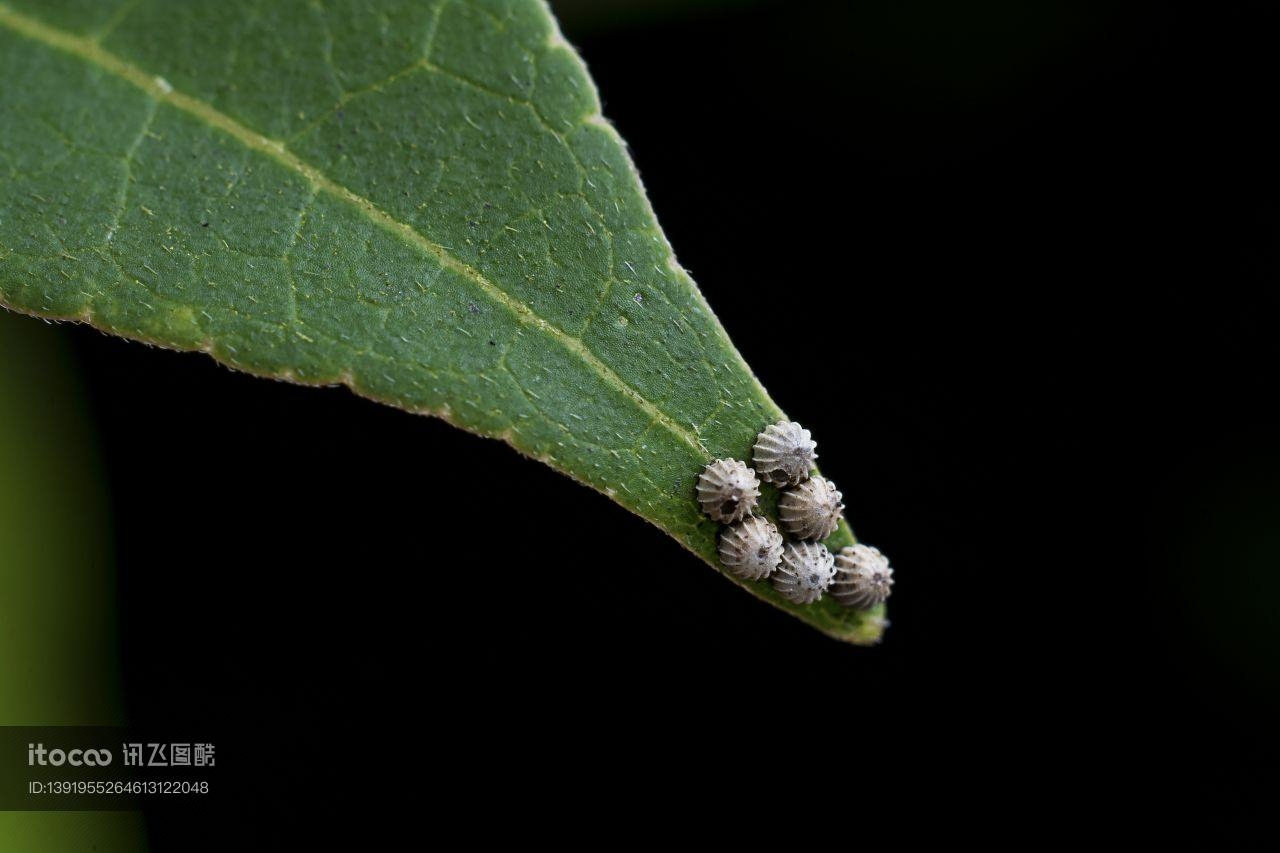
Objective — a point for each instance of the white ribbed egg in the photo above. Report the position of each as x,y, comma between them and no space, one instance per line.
728,490
810,510
784,454
863,577
751,549
805,571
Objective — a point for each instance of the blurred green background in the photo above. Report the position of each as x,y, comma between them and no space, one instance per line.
58,638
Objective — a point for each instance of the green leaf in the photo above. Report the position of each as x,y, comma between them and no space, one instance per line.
419,200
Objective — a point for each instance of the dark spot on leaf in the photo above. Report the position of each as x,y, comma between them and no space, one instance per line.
472,308
492,344
204,224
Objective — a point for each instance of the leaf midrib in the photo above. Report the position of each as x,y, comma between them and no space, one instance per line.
88,50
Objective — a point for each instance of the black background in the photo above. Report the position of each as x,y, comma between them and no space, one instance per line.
1022,353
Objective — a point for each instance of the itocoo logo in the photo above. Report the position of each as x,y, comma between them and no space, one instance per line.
37,754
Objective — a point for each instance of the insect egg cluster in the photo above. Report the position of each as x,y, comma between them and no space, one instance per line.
809,510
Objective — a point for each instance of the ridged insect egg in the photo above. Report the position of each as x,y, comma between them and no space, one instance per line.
784,454
805,571
751,548
863,577
811,510
728,490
